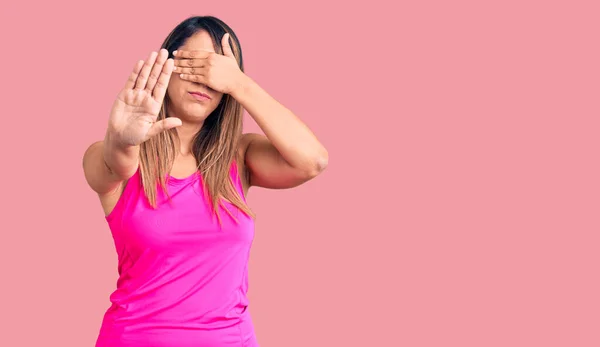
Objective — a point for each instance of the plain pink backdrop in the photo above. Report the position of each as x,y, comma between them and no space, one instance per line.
461,202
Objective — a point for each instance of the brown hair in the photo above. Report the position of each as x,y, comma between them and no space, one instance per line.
215,145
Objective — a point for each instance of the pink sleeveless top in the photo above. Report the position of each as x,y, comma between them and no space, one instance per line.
183,278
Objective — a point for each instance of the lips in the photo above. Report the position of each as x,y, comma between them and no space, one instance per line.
200,95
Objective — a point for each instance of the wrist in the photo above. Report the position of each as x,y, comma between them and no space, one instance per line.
114,142
120,159
241,86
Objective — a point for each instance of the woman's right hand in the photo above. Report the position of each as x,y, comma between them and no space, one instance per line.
133,118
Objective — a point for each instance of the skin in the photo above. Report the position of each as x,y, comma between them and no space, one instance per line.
287,155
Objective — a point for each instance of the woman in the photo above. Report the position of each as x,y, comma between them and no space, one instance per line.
172,174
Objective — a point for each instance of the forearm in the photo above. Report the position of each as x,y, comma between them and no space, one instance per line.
289,135
120,159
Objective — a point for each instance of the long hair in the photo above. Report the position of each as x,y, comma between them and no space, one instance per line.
215,145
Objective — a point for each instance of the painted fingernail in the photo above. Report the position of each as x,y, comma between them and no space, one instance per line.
174,52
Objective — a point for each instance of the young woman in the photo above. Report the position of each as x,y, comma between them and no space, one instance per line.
172,175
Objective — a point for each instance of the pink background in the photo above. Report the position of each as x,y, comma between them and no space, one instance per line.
459,208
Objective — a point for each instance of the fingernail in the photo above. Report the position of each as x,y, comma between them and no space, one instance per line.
174,52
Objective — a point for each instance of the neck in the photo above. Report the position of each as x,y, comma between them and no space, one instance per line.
185,135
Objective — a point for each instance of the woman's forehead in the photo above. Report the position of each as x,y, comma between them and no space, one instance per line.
200,41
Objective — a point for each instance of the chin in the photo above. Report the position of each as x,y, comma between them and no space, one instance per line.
197,112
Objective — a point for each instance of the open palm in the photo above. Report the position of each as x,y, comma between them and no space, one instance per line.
134,114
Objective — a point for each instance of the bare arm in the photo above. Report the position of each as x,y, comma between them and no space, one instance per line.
132,121
289,154
99,160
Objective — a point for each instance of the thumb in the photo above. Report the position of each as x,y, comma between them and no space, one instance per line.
163,125
227,51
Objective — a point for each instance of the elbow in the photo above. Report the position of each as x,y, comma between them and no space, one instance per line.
318,165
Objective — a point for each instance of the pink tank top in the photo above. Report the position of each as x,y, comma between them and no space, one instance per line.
183,278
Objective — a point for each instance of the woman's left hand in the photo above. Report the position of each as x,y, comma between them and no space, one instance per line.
218,72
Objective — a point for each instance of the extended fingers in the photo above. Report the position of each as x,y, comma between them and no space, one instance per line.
145,72
134,74
162,83
156,69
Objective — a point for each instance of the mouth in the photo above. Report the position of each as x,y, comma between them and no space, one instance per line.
200,96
